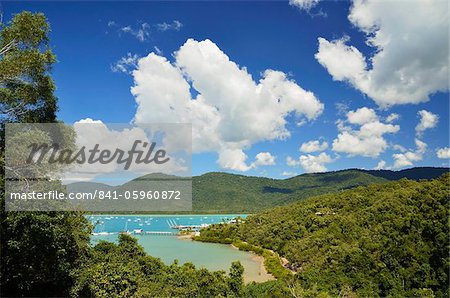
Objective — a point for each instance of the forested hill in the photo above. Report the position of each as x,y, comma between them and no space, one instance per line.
385,240
412,174
222,192
218,192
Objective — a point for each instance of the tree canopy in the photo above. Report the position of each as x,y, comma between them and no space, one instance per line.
384,240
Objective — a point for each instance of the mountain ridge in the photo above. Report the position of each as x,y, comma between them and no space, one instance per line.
221,192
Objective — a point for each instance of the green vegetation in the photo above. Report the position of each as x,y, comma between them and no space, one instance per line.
221,192
26,87
40,251
383,240
48,254
231,193
125,270
272,260
386,240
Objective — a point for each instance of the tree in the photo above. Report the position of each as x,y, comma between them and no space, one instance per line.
26,87
236,278
40,251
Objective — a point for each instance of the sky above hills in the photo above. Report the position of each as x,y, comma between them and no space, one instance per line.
271,88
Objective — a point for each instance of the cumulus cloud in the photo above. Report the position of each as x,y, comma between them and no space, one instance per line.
427,120
443,153
264,159
412,48
90,133
392,117
311,163
381,165
409,157
362,116
368,140
230,111
126,63
313,146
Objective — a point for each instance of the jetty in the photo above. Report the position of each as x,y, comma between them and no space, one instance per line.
135,232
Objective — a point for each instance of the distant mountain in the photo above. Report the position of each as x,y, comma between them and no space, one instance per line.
88,187
412,174
223,192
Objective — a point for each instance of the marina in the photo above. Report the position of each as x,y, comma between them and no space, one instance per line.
158,236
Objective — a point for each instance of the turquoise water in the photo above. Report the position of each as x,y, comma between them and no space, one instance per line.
162,223
168,248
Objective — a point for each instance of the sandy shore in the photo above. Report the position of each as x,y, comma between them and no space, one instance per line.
263,275
185,236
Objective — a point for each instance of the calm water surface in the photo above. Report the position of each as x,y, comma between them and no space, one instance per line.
168,248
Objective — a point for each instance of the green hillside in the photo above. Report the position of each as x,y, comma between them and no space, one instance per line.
230,193
386,240
222,192
412,173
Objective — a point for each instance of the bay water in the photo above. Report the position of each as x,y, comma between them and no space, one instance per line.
169,248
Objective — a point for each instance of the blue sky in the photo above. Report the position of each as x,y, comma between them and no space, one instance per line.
90,38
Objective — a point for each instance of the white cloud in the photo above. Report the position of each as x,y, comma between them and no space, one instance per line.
362,116
315,164
392,117
409,157
175,25
158,51
90,133
285,173
427,120
126,63
341,107
381,165
313,146
233,159
304,4
412,48
142,32
264,159
399,147
311,163
230,112
368,140
291,162
443,153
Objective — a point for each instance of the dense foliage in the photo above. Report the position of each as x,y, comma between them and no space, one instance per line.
39,250
416,173
26,87
230,193
376,241
381,240
221,192
125,270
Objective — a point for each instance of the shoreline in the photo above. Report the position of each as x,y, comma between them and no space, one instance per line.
263,275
